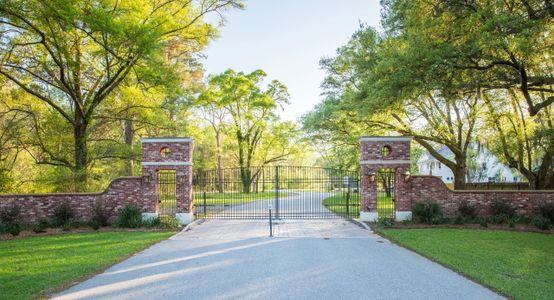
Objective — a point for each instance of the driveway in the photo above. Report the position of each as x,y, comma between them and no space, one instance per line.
235,259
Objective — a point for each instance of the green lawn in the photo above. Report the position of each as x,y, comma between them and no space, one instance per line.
337,204
519,264
31,265
216,198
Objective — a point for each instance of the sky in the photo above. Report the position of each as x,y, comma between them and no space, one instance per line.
286,39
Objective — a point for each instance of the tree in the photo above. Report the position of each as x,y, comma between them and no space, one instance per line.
506,44
251,110
72,54
364,77
526,144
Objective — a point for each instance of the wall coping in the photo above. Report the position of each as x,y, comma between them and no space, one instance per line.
73,194
482,191
165,139
385,138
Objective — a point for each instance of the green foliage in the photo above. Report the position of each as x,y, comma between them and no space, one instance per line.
547,210
41,226
100,215
427,212
63,214
467,210
10,219
542,222
129,217
74,61
93,224
502,209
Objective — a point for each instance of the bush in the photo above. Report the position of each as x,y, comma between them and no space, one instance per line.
94,224
10,217
41,226
152,222
427,212
542,222
467,210
100,215
547,211
62,215
171,223
499,208
129,217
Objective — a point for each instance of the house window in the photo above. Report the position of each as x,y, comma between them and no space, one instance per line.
440,165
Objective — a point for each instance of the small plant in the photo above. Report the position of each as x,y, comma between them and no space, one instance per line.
542,222
62,215
459,220
547,210
483,222
41,226
502,208
94,224
427,212
171,223
129,217
467,210
10,217
387,222
100,214
152,222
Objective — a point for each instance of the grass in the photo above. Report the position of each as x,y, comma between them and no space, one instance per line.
337,204
29,266
518,264
233,198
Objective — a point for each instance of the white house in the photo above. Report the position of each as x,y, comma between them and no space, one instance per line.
483,166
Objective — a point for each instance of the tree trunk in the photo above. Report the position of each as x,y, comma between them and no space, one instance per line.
81,155
129,136
460,177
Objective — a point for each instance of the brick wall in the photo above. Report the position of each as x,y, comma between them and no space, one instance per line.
432,188
140,191
121,192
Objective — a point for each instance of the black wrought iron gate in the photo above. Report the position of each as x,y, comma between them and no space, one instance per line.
291,192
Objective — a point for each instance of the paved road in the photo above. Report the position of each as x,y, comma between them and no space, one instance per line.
234,259
293,204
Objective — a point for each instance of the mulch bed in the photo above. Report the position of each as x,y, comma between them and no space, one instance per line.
517,227
59,231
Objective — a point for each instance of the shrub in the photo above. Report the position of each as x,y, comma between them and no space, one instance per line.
10,217
171,223
62,215
152,222
387,222
94,224
547,210
499,208
427,212
542,222
483,222
129,217
41,226
467,210
100,214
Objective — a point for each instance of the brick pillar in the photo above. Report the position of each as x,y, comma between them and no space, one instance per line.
379,152
169,154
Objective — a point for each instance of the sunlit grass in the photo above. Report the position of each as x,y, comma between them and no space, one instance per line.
519,264
31,265
337,204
